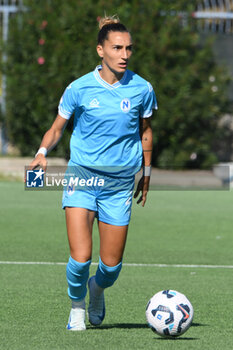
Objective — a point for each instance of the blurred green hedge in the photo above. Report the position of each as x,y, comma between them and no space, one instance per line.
54,42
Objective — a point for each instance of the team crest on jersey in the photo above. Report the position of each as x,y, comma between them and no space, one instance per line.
125,105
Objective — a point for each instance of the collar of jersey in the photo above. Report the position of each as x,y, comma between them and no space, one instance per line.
104,83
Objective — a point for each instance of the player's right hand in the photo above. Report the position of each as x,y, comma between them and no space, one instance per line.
39,161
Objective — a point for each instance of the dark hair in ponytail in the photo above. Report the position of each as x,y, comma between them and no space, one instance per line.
109,24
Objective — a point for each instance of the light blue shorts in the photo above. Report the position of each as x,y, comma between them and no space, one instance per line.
110,197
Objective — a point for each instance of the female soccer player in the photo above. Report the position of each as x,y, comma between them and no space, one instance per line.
111,139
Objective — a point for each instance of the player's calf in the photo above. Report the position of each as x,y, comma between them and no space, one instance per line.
77,275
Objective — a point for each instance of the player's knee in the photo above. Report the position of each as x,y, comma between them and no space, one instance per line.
111,261
80,257
107,275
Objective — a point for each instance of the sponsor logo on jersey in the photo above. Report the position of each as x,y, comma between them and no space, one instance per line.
125,105
94,103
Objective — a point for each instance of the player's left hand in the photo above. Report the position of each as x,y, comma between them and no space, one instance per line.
143,187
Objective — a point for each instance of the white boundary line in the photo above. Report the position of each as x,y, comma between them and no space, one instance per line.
125,264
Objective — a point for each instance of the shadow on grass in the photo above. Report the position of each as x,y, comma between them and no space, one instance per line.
199,325
144,325
176,338
139,326
121,326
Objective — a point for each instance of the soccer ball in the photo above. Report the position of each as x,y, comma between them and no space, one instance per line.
169,313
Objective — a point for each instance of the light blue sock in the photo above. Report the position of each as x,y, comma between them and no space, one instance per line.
77,275
107,275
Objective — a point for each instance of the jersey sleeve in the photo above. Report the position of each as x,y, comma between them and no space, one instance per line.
149,102
69,102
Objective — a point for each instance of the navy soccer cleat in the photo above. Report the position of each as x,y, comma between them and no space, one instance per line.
96,308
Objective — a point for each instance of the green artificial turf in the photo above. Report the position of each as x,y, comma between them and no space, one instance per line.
175,227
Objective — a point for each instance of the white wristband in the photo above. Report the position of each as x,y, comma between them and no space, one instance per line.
147,170
43,151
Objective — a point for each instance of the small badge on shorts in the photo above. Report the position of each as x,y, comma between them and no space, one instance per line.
125,105
129,200
70,189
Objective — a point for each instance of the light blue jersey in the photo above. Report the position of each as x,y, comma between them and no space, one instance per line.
106,123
